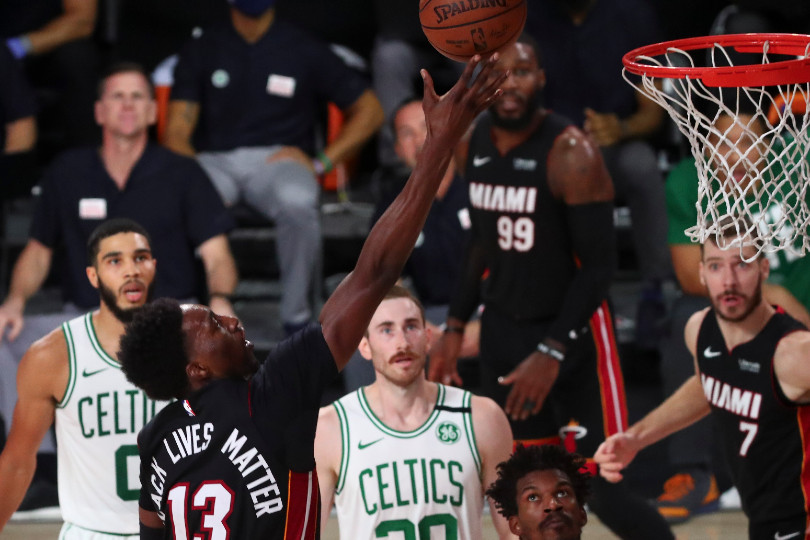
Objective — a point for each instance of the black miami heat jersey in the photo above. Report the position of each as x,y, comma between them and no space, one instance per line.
517,222
761,430
236,459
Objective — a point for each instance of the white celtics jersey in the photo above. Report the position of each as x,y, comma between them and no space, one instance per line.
420,485
97,423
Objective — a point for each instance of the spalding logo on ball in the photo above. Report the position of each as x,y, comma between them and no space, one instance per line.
463,28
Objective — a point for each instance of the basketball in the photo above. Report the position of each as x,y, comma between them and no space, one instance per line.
460,29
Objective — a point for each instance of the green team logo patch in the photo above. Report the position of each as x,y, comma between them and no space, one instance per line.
448,433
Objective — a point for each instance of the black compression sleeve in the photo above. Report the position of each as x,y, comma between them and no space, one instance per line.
593,238
467,295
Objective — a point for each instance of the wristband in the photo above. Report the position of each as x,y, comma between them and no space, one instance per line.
556,354
322,164
19,46
222,295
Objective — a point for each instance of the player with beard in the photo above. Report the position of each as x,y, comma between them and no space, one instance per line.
392,431
70,377
542,491
752,374
541,205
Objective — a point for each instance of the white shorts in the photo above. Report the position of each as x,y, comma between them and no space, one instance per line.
74,532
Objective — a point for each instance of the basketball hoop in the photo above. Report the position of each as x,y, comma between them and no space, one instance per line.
748,126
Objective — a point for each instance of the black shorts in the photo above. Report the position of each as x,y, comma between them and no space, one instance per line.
783,528
587,402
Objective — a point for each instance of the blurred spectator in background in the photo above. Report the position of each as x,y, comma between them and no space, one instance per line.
18,135
127,177
54,41
251,110
400,51
582,43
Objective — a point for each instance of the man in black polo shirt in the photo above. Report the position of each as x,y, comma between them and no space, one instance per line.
247,96
127,177
18,128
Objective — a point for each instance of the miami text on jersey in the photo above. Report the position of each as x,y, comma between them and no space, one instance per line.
503,198
734,400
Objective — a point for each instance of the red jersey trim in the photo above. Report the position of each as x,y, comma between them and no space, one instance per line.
302,507
611,382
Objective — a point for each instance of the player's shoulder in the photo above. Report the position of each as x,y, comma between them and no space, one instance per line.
327,415
485,406
693,326
160,423
46,364
51,348
797,341
576,170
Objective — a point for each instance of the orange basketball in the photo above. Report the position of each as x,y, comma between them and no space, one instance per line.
460,29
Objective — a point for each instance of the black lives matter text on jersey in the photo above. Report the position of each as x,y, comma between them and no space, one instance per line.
193,439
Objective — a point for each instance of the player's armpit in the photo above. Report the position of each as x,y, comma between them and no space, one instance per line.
151,525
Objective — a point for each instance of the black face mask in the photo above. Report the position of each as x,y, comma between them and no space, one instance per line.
252,8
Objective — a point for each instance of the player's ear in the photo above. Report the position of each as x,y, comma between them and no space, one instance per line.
765,266
541,78
514,525
583,516
92,276
197,373
365,348
700,274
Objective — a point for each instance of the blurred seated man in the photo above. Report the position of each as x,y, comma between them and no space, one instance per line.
53,39
247,96
126,177
19,129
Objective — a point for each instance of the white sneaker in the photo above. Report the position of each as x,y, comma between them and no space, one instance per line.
730,500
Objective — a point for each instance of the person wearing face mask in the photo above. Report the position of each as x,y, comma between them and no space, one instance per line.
246,100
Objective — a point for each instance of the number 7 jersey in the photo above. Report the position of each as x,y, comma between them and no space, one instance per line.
763,432
418,485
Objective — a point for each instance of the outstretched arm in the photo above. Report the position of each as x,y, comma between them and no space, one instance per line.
346,314
41,376
686,406
578,177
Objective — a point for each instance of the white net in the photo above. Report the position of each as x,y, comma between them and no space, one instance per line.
750,146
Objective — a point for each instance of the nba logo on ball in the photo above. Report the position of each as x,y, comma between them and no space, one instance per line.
460,29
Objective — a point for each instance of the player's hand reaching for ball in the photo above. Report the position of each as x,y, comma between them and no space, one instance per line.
449,116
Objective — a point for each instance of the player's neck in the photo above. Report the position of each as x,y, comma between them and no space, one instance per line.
506,139
108,330
403,408
120,154
252,28
738,332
